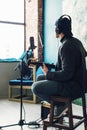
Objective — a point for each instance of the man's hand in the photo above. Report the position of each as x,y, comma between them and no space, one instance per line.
44,68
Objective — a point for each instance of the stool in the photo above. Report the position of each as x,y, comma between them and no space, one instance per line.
58,122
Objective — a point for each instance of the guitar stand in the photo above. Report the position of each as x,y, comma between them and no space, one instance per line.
21,121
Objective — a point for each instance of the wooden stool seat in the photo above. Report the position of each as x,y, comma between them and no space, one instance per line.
58,122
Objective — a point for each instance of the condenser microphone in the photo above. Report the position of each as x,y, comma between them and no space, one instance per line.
32,46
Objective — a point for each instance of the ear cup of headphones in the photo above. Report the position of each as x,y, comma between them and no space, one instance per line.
63,24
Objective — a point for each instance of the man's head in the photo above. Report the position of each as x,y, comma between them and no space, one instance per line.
63,26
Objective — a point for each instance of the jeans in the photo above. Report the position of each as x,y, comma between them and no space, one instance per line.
44,89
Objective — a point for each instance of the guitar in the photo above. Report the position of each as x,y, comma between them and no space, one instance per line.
50,66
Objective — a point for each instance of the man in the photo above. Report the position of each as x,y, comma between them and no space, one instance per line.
69,77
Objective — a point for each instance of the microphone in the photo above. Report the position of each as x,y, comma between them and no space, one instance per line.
32,46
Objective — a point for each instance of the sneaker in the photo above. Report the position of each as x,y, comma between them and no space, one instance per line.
59,111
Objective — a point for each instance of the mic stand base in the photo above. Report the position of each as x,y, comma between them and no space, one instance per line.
36,124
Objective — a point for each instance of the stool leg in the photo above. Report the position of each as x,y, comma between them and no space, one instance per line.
44,126
70,114
84,111
61,122
51,112
86,128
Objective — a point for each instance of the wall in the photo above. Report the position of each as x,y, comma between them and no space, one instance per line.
77,9
31,20
40,28
7,72
34,23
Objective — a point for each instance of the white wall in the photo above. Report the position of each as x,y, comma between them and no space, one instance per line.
7,72
77,9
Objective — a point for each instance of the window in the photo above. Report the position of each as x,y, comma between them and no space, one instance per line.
11,28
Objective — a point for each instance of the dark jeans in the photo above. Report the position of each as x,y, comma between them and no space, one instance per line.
44,89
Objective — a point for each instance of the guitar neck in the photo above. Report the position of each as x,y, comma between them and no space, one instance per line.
41,64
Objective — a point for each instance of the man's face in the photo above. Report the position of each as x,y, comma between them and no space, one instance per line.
57,35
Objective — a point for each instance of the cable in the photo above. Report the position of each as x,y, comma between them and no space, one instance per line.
35,124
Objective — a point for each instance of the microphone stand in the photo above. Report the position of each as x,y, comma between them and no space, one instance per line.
21,121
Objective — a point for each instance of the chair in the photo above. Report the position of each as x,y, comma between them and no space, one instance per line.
73,121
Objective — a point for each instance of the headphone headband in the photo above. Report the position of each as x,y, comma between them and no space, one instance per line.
65,16
63,24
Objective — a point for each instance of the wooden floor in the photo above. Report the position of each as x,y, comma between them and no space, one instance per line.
10,115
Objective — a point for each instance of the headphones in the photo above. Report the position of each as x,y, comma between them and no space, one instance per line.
63,24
